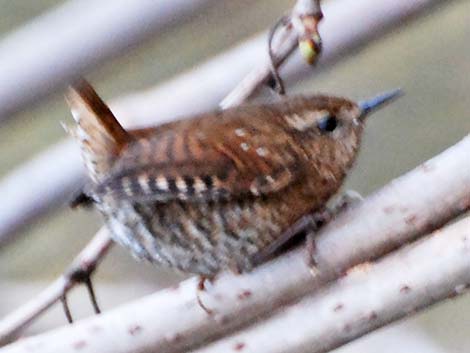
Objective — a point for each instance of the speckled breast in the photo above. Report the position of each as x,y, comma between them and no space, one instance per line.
201,238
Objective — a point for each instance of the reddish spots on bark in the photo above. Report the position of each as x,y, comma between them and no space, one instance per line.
405,289
411,220
239,346
388,209
244,295
95,329
175,338
372,316
79,345
134,330
222,319
427,167
338,307
465,203
347,328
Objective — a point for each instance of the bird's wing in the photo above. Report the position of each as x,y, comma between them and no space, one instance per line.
198,163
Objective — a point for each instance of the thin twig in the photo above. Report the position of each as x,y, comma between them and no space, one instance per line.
368,297
84,263
279,84
172,321
65,306
91,294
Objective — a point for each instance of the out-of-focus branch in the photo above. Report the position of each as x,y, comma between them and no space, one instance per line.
97,248
368,297
346,26
83,264
172,320
51,50
57,173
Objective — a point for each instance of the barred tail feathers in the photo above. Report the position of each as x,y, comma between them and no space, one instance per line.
98,132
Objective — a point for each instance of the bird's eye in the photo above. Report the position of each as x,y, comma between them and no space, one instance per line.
328,123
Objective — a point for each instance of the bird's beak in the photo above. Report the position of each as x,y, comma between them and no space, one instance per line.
377,102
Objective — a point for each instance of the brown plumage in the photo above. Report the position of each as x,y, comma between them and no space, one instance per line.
217,190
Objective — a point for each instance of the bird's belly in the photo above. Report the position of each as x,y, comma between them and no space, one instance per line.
201,238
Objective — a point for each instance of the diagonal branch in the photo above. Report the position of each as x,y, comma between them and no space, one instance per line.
172,321
368,297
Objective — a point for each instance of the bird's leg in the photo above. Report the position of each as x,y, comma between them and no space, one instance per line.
318,219
344,201
201,287
275,80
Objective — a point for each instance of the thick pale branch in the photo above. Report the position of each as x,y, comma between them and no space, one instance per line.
346,25
368,297
84,263
172,320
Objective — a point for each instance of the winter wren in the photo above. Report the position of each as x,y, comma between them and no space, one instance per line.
216,190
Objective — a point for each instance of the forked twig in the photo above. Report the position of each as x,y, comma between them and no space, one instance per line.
80,269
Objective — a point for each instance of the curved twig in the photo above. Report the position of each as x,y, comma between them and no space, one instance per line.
278,82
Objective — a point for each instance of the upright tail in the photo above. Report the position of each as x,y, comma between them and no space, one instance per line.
100,135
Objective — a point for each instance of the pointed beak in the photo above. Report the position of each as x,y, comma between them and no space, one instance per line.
377,102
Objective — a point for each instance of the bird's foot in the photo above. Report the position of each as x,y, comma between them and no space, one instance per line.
201,287
318,219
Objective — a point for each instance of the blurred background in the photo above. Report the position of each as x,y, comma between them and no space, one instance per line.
429,57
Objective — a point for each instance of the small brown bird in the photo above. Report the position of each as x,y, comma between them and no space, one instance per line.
219,190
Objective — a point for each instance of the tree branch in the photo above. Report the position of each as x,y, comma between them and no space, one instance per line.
193,92
370,296
50,51
172,321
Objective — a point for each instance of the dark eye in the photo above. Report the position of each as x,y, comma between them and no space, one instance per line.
328,123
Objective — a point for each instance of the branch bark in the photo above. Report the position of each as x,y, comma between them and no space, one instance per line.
370,296
172,320
193,92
